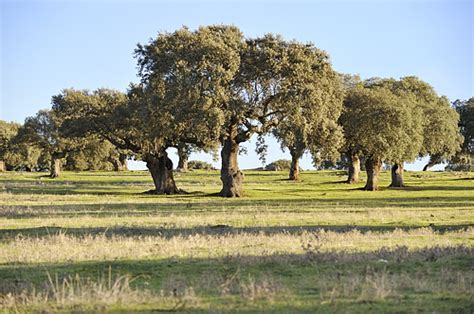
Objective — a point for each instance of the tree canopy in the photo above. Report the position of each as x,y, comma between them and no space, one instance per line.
381,125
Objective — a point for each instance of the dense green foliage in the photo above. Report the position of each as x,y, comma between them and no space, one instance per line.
199,164
280,164
382,126
464,159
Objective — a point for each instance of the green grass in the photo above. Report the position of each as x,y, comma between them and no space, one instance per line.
93,242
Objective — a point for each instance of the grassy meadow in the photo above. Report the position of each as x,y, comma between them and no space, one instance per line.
93,242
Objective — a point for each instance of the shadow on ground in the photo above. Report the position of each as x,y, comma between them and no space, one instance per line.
6,234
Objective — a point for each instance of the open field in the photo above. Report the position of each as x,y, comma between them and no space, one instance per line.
92,242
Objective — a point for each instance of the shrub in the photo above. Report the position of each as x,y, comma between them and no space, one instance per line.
280,164
199,164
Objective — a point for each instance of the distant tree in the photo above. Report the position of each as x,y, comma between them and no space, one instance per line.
312,124
96,154
351,155
8,130
198,164
184,151
26,157
42,131
382,126
441,137
280,164
464,159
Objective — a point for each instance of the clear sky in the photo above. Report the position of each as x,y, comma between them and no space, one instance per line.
50,45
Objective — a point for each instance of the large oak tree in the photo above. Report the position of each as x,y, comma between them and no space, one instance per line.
176,102
275,79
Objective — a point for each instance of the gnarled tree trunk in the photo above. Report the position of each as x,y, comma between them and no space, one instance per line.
182,158
354,169
295,165
55,170
397,176
372,167
2,166
161,170
231,176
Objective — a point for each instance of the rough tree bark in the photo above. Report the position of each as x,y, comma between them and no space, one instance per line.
372,167
161,170
2,166
295,165
354,169
231,176
182,158
397,176
55,170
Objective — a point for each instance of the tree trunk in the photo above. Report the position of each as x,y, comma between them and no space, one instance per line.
115,163
397,176
372,166
123,162
55,170
119,163
161,170
2,166
427,166
434,160
183,158
354,169
231,176
295,166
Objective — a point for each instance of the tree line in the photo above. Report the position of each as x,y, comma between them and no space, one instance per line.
213,89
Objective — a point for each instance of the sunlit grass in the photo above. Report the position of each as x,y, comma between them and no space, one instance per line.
316,245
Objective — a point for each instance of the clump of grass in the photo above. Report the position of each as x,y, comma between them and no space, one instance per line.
78,293
60,246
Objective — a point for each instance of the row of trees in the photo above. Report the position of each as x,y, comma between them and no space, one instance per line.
213,88
38,146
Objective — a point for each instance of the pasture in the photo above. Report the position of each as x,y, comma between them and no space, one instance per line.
93,242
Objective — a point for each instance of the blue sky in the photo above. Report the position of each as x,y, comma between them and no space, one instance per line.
50,45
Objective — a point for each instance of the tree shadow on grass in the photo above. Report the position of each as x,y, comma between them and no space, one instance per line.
181,204
213,230
323,265
437,188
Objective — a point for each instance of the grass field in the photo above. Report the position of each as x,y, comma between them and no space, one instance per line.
92,242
